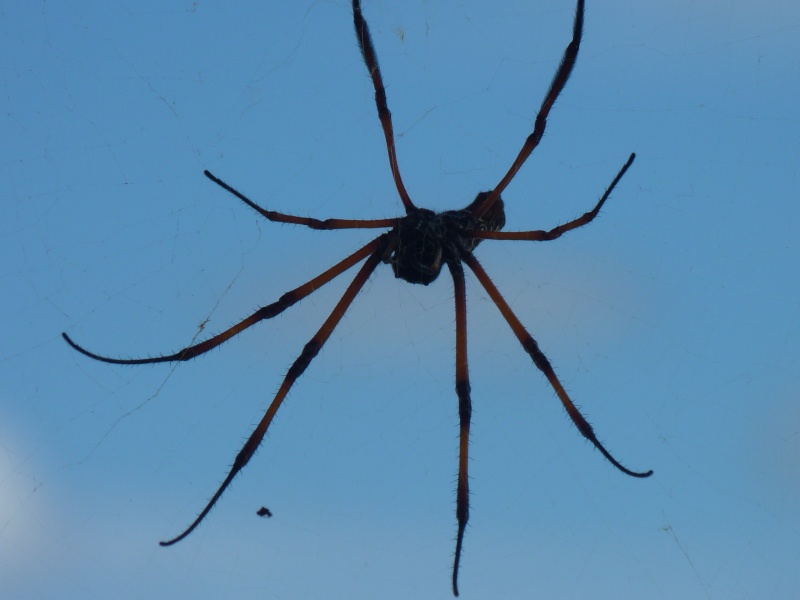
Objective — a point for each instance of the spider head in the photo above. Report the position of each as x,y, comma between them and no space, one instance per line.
493,219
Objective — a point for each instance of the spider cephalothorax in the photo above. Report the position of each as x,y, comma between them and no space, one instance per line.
426,240
417,246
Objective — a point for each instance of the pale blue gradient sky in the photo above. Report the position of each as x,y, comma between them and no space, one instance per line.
673,319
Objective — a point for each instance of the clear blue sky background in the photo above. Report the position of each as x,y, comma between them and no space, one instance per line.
673,319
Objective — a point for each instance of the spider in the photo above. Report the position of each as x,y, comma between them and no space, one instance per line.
417,246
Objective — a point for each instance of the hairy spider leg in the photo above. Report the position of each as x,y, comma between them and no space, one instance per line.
464,412
265,312
556,86
310,350
556,232
371,60
326,224
541,362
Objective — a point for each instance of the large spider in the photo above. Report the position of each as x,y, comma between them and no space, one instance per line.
417,246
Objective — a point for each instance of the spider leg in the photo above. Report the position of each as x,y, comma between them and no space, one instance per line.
371,60
556,232
464,411
540,360
310,350
279,217
559,81
265,312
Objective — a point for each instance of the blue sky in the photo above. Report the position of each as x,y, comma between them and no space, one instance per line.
673,319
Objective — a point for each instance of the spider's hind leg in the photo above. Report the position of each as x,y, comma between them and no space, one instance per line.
464,412
299,366
540,360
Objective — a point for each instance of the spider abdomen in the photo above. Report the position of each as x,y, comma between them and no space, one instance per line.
427,240
418,254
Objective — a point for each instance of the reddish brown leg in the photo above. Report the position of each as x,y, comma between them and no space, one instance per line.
559,81
556,232
265,312
310,350
371,60
540,360
279,217
464,412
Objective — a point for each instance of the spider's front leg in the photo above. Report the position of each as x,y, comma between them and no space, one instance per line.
371,62
556,86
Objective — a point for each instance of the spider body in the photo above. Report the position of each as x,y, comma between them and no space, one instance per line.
427,240
417,245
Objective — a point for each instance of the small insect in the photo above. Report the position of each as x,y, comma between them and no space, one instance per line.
417,246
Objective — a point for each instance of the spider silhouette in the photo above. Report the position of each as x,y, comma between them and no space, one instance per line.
417,246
